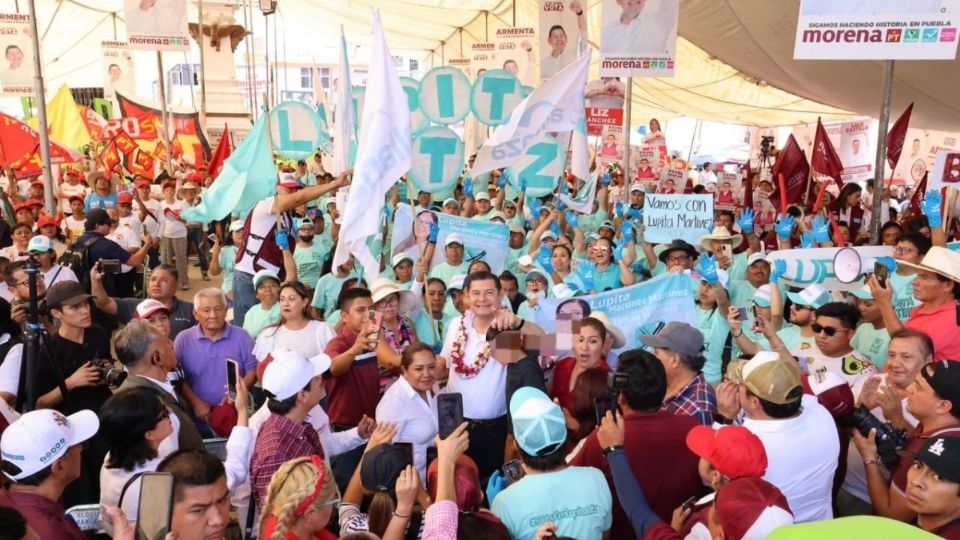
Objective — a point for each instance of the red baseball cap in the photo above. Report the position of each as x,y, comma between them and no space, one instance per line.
751,508
169,183
195,177
37,182
125,199
733,450
47,219
75,198
142,182
33,202
288,181
148,307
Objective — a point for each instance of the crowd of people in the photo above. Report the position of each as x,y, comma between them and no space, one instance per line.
301,399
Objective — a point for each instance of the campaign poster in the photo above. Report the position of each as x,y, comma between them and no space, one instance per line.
118,71
645,165
483,57
855,150
157,25
604,106
16,69
639,39
610,148
482,239
561,24
668,217
946,171
463,64
516,52
728,195
877,30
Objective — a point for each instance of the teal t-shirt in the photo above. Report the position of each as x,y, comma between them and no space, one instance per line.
903,300
872,343
328,290
447,271
590,223
227,260
714,328
309,261
577,499
793,340
607,279
258,318
430,330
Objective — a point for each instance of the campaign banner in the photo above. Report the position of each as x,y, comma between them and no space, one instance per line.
854,149
729,186
815,265
16,68
638,310
669,217
887,30
672,181
561,24
599,120
187,132
515,52
157,26
946,171
118,71
482,239
611,146
645,165
436,160
295,130
483,57
639,39
464,64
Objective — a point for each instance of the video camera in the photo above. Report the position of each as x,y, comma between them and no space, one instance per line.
888,438
109,371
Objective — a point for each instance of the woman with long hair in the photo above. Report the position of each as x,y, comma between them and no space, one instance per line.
847,208
590,385
589,353
713,303
296,329
133,423
300,501
431,322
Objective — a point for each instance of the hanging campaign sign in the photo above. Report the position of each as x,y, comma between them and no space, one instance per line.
494,96
639,310
914,30
461,63
418,122
483,57
482,239
541,166
672,181
515,52
669,217
946,171
118,71
157,26
561,24
16,69
295,129
445,95
728,191
437,159
815,265
854,149
639,39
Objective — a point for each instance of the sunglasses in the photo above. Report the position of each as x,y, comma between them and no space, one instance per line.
828,330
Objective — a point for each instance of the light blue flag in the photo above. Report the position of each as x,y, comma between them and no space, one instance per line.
248,176
345,119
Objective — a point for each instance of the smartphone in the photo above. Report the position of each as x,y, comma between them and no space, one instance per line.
601,406
756,315
407,450
512,471
449,413
212,238
881,272
156,505
109,266
689,503
375,318
742,313
727,251
233,373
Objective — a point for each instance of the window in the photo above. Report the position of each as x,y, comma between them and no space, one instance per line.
414,65
306,77
325,77
185,75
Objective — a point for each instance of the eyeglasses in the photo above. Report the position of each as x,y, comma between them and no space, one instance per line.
828,330
677,260
903,251
389,301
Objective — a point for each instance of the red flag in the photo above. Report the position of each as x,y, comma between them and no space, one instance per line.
748,187
186,129
897,136
792,164
825,161
914,205
110,156
20,148
221,154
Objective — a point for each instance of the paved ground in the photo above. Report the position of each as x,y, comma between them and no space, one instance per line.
197,282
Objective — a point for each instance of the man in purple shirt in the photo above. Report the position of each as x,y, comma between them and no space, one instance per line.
203,352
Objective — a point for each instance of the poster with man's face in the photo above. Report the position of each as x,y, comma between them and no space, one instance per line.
639,38
118,70
157,25
561,23
16,68
516,52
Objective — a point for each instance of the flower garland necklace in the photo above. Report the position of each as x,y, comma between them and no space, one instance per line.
458,352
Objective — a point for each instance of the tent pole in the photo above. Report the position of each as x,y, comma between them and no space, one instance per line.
251,68
203,83
266,60
628,103
881,152
166,123
41,112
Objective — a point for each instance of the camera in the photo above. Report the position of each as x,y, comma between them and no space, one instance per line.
888,438
108,266
109,371
766,142
616,382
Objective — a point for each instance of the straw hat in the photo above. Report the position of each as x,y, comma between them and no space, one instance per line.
383,288
723,235
939,260
619,340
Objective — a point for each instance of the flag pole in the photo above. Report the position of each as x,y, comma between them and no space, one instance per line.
41,113
162,80
881,152
203,82
627,117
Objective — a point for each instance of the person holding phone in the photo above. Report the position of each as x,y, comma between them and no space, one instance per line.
393,306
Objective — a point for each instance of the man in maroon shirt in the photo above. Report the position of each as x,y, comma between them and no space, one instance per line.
353,382
655,442
41,454
933,487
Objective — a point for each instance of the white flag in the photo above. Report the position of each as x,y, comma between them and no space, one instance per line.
345,129
556,106
383,156
583,201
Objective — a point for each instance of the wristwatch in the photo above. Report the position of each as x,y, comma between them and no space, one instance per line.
613,448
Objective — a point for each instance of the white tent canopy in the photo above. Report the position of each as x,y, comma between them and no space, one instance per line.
734,58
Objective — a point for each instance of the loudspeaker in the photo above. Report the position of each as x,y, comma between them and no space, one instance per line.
847,265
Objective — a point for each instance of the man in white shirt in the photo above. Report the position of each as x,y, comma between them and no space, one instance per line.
707,176
482,383
70,187
640,30
798,433
561,52
833,330
158,17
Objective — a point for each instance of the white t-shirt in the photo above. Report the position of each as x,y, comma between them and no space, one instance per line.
853,367
132,229
73,228
311,340
485,394
10,368
67,191
172,227
262,221
57,274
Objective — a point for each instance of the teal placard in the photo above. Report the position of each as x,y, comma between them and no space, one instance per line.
437,159
541,165
418,122
295,130
445,95
494,96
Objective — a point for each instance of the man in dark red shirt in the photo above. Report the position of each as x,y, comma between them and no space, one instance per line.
933,487
353,382
41,454
655,442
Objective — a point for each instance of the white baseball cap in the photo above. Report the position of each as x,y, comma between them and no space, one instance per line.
39,244
148,307
482,196
236,225
39,438
399,258
262,275
289,371
453,239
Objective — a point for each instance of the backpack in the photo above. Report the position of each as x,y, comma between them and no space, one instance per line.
76,258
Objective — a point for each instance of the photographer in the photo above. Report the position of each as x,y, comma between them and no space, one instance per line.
97,228
934,399
161,287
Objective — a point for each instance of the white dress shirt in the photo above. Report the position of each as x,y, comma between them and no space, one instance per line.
802,454
485,394
647,33
416,419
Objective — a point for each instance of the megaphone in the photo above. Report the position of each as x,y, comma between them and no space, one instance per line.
848,266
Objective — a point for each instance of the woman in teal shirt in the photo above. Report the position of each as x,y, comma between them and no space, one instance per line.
712,307
223,258
609,274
